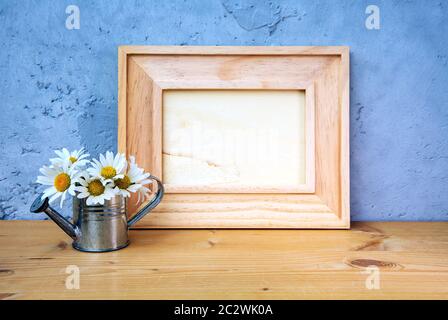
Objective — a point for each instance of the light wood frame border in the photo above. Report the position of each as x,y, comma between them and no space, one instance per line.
145,71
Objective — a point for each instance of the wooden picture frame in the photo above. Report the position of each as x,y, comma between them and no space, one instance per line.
322,201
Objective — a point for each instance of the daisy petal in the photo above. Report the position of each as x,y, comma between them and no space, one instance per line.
63,198
49,192
82,195
54,197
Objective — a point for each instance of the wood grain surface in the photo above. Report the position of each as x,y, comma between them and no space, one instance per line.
230,264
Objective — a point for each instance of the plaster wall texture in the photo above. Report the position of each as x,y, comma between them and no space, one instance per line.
58,87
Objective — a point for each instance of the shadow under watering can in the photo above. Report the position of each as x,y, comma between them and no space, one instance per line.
98,228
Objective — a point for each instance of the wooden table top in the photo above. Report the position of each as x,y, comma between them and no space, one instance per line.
410,258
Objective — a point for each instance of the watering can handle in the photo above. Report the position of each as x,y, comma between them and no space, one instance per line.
151,205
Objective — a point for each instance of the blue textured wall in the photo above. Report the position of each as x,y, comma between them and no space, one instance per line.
59,87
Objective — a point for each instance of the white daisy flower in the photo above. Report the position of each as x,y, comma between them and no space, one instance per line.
109,168
94,189
73,159
61,179
133,181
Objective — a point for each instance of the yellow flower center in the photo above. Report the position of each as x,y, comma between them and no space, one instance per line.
95,188
123,183
108,172
62,182
73,159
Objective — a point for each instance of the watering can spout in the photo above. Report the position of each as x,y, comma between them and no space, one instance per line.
42,205
151,205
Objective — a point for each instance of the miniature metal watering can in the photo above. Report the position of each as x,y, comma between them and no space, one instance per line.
98,228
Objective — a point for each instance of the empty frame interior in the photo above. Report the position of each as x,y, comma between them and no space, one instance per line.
233,140
242,137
